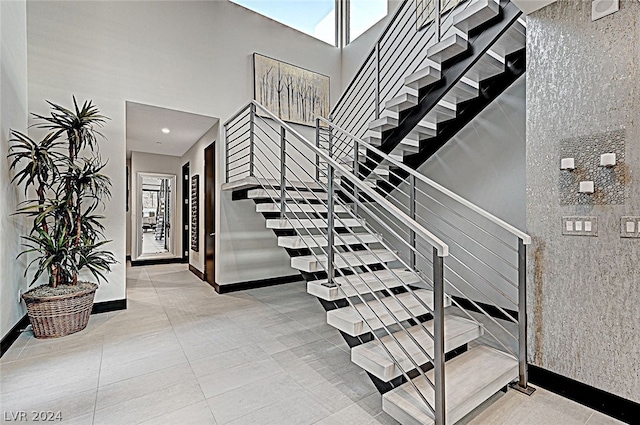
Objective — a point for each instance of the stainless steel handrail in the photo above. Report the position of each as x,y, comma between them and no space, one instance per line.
443,248
283,163
391,23
523,240
526,239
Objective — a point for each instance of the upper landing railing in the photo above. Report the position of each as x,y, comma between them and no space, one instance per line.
400,50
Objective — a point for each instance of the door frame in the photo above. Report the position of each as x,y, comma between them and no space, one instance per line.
210,212
185,213
137,220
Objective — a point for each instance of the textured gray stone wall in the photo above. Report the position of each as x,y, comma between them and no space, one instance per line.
584,292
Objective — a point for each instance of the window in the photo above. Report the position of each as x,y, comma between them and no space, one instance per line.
364,14
313,17
318,17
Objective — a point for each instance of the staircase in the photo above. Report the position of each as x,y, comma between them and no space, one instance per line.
160,213
409,104
428,289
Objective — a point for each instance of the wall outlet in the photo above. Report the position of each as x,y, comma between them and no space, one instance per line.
630,227
580,226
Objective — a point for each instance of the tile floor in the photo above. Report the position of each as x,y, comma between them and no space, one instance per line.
182,354
151,245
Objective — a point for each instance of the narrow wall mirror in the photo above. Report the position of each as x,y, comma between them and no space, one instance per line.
156,215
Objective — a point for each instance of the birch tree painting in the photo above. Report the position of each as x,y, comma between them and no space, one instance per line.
293,94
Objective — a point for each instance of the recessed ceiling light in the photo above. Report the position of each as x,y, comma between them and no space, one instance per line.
166,130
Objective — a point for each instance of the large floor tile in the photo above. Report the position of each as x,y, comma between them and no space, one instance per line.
195,414
183,354
113,370
138,386
300,410
241,401
151,405
222,381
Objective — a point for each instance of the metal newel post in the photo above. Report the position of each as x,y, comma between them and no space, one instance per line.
356,172
436,20
283,180
522,314
330,252
377,85
252,115
438,334
226,155
412,214
317,146
523,379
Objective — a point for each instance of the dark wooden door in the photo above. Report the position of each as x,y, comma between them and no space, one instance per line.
210,213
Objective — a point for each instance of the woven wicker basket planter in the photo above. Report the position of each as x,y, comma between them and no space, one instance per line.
60,315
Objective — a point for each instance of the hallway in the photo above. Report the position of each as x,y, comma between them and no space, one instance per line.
182,354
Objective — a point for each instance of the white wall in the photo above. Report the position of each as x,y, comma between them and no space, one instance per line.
485,161
195,157
142,162
189,56
485,164
13,115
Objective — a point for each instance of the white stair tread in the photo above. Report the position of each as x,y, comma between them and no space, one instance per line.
462,91
372,140
309,208
275,194
383,123
512,40
348,320
402,102
470,379
487,66
309,263
447,48
369,183
251,181
382,172
422,78
363,283
300,223
300,242
373,358
476,14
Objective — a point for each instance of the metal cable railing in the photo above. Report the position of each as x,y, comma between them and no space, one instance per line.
486,265
400,50
271,155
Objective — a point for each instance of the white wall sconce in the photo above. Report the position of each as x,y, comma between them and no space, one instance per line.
607,159
586,187
602,8
567,164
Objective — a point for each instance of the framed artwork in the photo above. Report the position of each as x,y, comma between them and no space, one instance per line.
195,213
291,93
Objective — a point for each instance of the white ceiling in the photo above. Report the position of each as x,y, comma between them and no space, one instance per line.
145,124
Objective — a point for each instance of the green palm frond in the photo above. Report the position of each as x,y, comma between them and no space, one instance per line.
67,235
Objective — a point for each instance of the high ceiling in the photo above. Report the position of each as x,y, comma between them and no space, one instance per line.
145,124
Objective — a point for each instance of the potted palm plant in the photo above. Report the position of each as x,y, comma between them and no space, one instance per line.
65,189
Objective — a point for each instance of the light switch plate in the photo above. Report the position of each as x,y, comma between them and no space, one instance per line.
580,226
630,227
